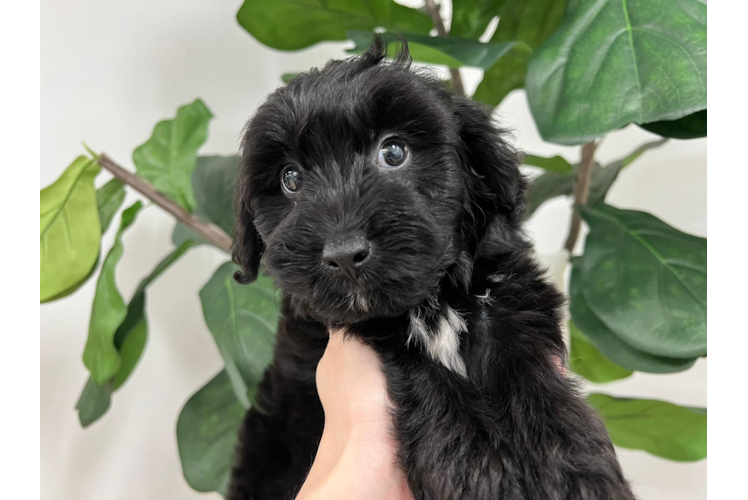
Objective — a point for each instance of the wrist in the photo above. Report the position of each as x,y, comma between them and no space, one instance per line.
357,464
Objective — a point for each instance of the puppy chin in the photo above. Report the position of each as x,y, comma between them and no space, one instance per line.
357,307
339,306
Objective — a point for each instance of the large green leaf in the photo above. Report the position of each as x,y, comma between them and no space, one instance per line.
692,126
109,310
76,286
207,430
662,429
243,320
453,52
615,62
646,281
590,363
529,22
608,343
213,183
129,340
296,24
109,198
470,18
70,232
168,158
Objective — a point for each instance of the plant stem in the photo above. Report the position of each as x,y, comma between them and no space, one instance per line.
441,30
581,192
207,230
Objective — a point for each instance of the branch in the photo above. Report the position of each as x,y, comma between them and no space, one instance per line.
433,10
581,192
206,230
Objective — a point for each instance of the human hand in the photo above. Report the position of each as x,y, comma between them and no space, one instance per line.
356,458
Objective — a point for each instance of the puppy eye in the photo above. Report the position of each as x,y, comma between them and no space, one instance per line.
291,179
392,154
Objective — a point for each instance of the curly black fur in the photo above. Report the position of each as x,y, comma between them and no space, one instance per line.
467,329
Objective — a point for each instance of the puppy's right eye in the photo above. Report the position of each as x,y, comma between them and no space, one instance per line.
392,154
291,179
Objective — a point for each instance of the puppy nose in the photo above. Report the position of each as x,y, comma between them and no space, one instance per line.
346,256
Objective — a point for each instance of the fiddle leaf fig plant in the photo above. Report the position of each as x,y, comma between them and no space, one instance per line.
637,289
651,55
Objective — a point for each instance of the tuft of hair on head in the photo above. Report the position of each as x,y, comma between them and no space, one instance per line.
377,52
402,56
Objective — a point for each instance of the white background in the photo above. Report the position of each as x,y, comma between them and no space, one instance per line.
110,71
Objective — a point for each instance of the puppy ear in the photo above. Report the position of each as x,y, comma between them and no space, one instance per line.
496,183
247,247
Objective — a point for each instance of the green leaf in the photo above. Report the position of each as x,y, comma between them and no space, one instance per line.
70,232
608,343
296,24
615,62
700,411
646,281
590,363
287,77
131,336
530,23
692,126
182,233
168,158
213,183
638,152
602,180
243,320
94,401
453,52
129,339
470,18
109,310
560,177
556,164
75,287
657,427
207,430
545,187
109,198
604,177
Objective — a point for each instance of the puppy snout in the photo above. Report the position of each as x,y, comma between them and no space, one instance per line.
346,256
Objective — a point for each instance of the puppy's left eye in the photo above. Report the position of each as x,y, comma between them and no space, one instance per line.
392,154
291,179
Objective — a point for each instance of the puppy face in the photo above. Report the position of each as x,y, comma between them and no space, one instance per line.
359,192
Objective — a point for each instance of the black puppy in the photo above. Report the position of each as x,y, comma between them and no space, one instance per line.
381,202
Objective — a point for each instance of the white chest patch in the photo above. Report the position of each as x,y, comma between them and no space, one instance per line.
443,343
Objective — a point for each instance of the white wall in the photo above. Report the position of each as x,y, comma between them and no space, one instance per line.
110,71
